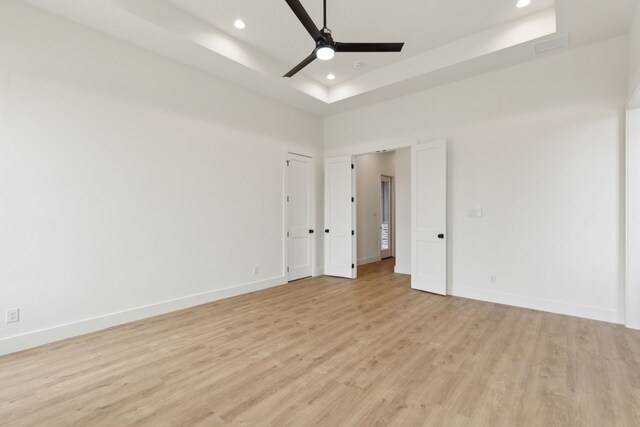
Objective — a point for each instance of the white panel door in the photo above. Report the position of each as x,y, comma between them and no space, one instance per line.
299,217
429,217
339,248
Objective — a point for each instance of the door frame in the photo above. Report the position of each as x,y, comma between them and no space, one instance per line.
285,212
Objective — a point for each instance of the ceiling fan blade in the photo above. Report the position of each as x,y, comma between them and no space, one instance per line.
368,47
308,60
305,19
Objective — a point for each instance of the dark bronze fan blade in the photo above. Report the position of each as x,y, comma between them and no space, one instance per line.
301,65
368,47
305,19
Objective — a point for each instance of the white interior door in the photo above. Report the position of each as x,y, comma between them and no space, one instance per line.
429,217
299,217
339,237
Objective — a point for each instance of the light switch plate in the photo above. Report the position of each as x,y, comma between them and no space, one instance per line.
474,213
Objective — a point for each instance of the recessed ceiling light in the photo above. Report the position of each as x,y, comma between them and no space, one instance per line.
239,24
523,3
331,76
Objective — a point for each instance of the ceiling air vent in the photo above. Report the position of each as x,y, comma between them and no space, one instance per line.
554,43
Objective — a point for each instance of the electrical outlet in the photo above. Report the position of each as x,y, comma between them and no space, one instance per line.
13,315
492,279
256,269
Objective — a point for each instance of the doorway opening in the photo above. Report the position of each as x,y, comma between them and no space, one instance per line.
375,206
417,220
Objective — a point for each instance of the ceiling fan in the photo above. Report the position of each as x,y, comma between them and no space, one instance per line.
326,48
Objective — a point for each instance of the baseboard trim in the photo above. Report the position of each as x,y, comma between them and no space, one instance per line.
402,270
40,337
369,260
551,306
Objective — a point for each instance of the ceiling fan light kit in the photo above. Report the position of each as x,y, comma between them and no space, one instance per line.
326,47
325,53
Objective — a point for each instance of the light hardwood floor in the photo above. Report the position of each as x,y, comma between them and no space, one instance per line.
327,351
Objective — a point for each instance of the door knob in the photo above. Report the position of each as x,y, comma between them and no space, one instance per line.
310,231
440,236
326,231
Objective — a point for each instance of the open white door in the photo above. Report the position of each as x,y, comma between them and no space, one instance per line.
299,216
339,218
429,217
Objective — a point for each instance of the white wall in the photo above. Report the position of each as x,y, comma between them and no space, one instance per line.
369,168
128,182
403,210
540,147
632,319
633,178
634,59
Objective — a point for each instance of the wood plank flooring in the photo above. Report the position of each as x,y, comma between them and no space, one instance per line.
327,351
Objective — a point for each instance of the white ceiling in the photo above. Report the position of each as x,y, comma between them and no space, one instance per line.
444,40
421,24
